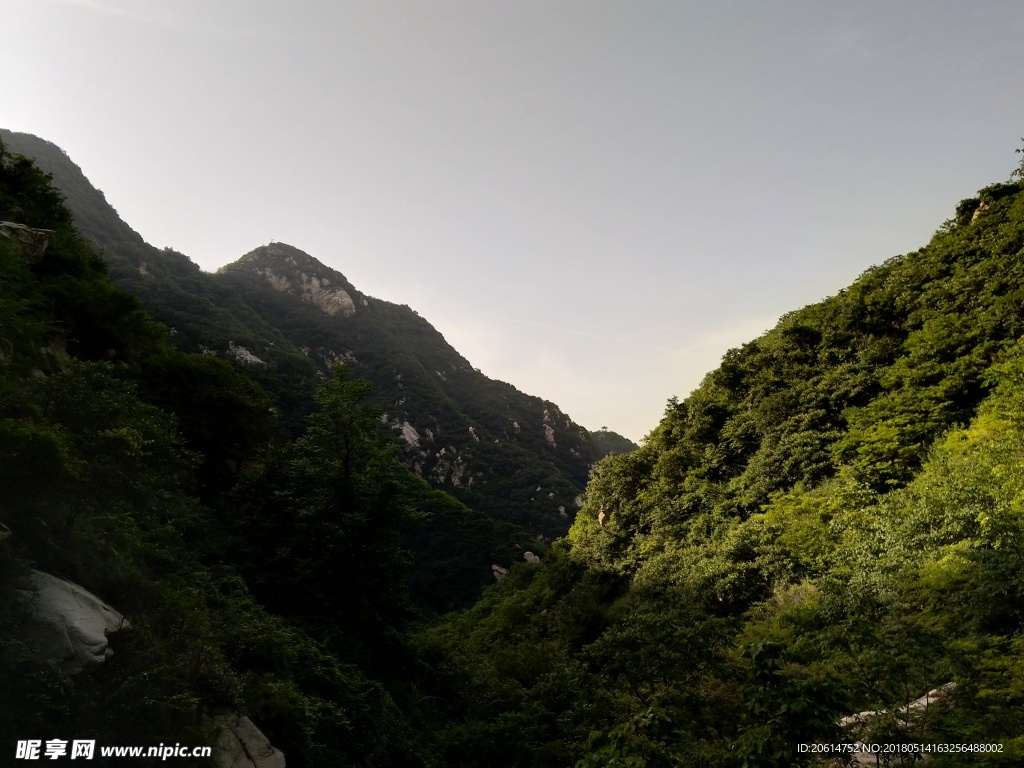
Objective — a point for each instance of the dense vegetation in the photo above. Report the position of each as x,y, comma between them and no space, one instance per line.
479,439
831,523
260,573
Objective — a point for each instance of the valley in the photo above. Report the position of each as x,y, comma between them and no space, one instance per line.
308,515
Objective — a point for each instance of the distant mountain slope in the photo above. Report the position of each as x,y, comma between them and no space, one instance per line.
515,456
202,313
608,442
830,524
862,382
285,318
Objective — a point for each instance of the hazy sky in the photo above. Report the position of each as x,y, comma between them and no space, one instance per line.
590,200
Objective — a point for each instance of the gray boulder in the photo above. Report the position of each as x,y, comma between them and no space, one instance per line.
29,241
912,717
67,623
240,744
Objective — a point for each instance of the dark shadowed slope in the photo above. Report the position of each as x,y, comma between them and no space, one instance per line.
285,318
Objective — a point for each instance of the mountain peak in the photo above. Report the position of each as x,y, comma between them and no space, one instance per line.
294,271
281,255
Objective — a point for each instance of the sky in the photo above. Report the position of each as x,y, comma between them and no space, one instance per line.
591,200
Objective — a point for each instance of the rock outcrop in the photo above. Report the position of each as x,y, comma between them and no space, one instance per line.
67,623
913,709
240,744
243,355
30,242
908,718
316,289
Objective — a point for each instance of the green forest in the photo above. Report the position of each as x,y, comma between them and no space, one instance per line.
479,439
831,524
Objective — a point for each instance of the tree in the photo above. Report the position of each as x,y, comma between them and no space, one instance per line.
320,523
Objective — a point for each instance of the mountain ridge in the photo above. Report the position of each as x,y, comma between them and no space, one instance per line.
514,456
832,523
458,426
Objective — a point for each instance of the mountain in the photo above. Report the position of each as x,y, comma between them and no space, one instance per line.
607,442
482,439
201,313
830,524
821,547
287,595
285,318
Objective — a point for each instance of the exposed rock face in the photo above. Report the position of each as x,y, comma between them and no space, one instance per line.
410,435
459,469
549,431
531,558
240,744
330,301
914,708
332,358
277,282
69,624
243,355
313,289
910,716
30,242
288,275
549,435
499,572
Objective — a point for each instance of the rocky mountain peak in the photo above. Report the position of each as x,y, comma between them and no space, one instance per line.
288,269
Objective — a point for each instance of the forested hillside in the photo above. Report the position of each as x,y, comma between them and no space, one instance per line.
830,524
255,573
515,457
285,319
